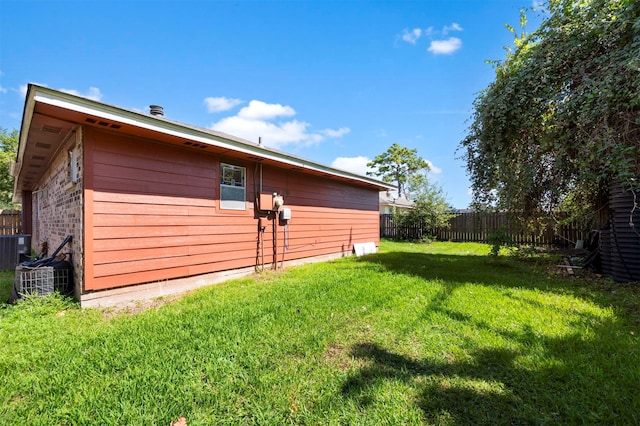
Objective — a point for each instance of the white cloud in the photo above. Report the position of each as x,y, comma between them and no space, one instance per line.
433,169
219,104
437,47
260,120
356,165
93,93
3,90
330,133
445,47
23,90
272,134
411,36
453,27
435,172
258,110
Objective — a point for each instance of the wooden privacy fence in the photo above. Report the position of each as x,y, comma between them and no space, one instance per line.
10,222
478,226
391,228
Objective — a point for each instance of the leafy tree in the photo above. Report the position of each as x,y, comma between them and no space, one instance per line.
562,118
8,149
398,164
431,210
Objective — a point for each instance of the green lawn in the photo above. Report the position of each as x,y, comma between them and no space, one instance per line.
6,281
415,334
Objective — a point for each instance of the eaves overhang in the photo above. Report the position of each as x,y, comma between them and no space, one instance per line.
46,99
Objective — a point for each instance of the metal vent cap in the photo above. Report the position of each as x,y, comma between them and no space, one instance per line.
156,110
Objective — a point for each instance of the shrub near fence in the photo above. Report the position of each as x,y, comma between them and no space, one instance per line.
390,228
477,226
10,222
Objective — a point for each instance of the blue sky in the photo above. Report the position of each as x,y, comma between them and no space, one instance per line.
337,82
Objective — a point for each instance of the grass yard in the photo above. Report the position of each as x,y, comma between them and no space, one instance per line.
6,281
415,334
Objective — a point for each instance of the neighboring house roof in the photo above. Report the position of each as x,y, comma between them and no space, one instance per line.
41,135
388,199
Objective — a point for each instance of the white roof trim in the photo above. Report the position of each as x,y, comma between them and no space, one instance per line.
87,106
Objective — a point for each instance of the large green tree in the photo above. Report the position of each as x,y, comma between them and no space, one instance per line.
398,165
562,118
8,149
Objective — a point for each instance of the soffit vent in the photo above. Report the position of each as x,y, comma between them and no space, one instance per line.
195,145
43,145
102,123
51,129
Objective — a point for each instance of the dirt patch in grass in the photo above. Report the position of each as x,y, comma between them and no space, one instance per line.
339,357
268,275
342,358
139,306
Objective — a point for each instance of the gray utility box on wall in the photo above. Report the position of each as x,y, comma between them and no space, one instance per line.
13,250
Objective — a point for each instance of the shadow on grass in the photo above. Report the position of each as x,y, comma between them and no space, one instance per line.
490,387
438,395
585,377
452,268
452,271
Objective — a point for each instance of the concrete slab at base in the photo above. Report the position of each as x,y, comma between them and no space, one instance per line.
126,295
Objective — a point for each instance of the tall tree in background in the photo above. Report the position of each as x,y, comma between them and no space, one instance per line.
8,149
397,165
562,118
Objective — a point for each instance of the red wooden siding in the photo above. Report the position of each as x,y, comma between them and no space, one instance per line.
152,213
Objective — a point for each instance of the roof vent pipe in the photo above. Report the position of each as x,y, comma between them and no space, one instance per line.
156,110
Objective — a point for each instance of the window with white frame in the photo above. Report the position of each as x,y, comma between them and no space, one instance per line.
232,187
